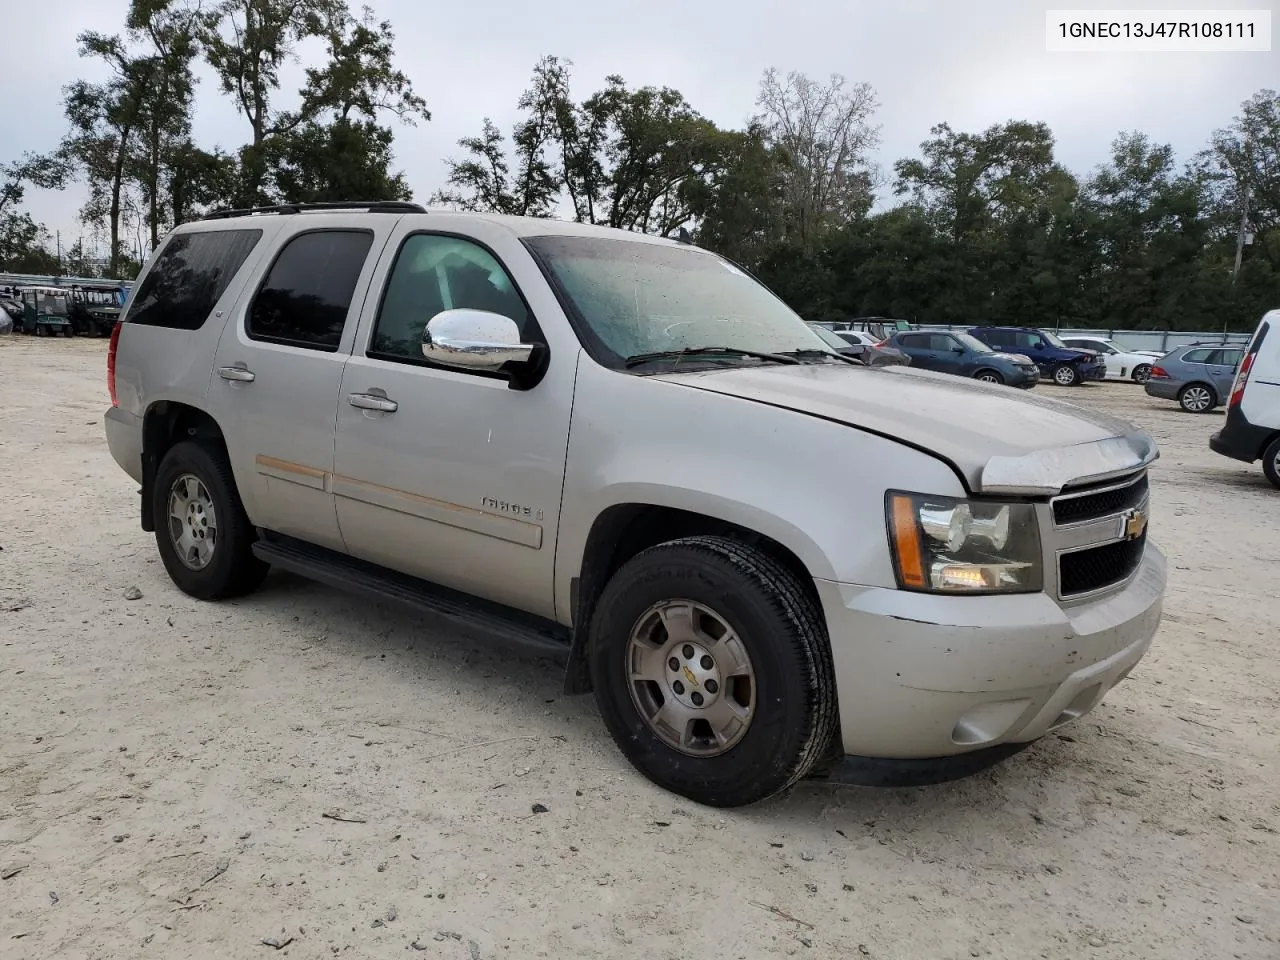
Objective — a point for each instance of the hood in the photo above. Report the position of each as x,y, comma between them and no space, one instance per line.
1015,358
1000,440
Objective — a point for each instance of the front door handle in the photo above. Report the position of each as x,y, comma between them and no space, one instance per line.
369,401
239,374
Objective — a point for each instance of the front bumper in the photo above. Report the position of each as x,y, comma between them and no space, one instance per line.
925,676
1094,373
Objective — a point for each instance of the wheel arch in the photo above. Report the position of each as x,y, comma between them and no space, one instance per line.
165,423
623,530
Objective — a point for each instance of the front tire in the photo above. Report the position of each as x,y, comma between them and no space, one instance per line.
1142,373
1197,398
988,376
1271,462
712,670
1065,375
202,532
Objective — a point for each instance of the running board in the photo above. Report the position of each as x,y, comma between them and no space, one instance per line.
378,583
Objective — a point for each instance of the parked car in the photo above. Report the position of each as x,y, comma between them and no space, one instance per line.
1121,364
1198,377
626,452
854,343
965,356
1065,366
1252,430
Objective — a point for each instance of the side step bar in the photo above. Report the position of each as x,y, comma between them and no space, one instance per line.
380,584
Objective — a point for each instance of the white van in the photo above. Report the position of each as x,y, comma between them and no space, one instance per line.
1252,430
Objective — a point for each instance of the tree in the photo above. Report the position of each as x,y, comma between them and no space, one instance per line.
105,118
824,134
345,160
247,43
1244,158
169,33
636,159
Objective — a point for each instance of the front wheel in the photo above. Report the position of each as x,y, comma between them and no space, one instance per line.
988,376
1065,375
1196,398
712,670
1142,373
203,535
1271,462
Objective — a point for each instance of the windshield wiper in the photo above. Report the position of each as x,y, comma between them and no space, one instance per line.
658,355
815,354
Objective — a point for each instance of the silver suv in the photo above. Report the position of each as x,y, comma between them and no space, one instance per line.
766,560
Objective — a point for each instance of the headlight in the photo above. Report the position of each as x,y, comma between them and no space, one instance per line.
944,545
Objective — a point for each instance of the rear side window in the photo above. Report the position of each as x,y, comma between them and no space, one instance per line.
190,275
913,341
1228,358
304,300
1196,356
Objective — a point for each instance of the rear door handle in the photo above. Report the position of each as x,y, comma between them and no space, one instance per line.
369,401
240,374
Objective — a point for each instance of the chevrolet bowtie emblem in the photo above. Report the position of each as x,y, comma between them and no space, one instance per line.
1135,523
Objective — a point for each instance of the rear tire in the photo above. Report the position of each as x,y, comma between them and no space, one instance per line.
680,603
988,376
230,568
1142,373
1197,398
1271,462
1065,375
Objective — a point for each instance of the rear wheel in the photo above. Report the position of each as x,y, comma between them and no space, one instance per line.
712,670
1271,462
988,376
202,532
1142,373
1065,375
1196,398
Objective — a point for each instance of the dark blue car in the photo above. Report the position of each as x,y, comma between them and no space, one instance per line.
964,356
1066,366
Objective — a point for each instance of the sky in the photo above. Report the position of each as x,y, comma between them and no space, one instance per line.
971,63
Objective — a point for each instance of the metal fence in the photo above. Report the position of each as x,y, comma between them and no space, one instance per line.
1163,340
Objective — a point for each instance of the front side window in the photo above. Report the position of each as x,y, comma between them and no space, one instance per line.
305,298
189,276
637,298
434,273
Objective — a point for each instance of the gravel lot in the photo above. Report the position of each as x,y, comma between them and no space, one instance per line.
189,780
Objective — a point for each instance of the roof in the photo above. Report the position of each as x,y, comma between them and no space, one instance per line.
437,217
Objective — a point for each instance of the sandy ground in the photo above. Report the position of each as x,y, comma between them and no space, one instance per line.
170,770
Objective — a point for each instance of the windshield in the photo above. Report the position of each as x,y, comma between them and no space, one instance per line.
1054,339
642,298
831,339
973,343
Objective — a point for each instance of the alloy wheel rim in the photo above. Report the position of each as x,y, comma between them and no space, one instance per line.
1196,399
690,678
193,522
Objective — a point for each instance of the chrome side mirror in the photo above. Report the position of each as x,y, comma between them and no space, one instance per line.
474,340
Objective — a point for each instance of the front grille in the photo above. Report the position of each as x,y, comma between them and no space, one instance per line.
1104,503
1085,571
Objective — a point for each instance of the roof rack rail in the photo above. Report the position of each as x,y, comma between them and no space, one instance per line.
373,206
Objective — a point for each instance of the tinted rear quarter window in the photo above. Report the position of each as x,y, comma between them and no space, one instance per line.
1196,356
190,275
304,300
